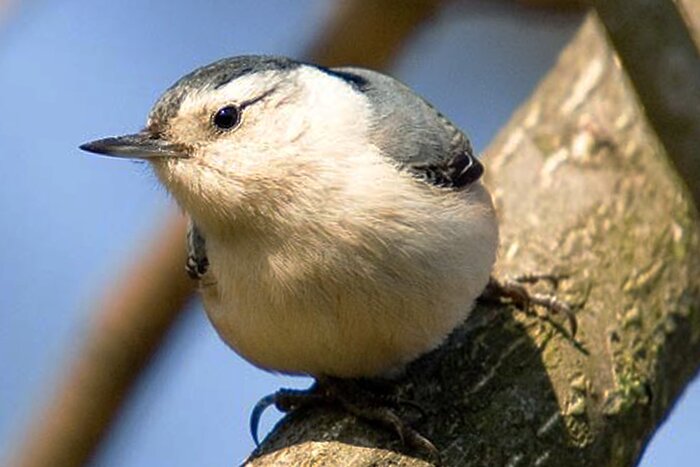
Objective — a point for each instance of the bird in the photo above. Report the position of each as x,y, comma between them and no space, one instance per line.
338,224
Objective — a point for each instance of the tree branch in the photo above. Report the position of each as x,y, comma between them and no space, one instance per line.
663,63
582,186
369,33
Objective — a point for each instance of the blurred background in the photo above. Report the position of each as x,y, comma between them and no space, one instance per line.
75,70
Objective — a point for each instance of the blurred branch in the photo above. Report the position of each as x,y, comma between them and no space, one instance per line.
582,186
370,33
131,322
690,11
148,298
663,63
556,4
6,7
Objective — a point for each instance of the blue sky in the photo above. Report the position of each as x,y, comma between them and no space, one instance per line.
75,70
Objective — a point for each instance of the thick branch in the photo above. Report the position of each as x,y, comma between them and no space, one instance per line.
582,186
655,46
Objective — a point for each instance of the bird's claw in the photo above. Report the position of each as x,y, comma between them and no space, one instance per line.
257,412
285,400
514,290
355,400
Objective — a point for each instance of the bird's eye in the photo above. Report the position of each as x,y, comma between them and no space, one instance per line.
227,117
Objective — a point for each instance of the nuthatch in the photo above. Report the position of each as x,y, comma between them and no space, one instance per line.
338,224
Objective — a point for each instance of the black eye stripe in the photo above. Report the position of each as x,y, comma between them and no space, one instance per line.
256,99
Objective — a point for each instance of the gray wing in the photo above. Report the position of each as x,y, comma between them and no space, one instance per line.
411,132
197,261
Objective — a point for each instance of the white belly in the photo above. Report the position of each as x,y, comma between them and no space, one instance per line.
351,305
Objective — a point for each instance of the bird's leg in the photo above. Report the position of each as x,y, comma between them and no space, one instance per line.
515,291
353,397
285,400
379,407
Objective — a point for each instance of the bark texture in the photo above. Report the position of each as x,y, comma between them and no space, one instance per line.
658,52
582,187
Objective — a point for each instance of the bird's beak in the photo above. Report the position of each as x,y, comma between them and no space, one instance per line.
143,145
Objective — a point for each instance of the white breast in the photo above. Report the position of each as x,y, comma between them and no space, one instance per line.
356,289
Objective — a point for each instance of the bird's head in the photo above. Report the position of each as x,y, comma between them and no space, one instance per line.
243,134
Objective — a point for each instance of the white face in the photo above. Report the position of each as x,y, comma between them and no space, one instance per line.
292,128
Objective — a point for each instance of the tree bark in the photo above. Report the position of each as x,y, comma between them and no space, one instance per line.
583,187
663,63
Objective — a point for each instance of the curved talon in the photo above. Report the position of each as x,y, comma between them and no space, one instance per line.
257,412
407,435
384,415
421,442
557,306
514,291
284,400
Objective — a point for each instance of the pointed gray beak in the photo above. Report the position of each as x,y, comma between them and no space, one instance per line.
143,145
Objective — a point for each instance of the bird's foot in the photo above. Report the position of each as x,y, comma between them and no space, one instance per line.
355,398
515,291
285,400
